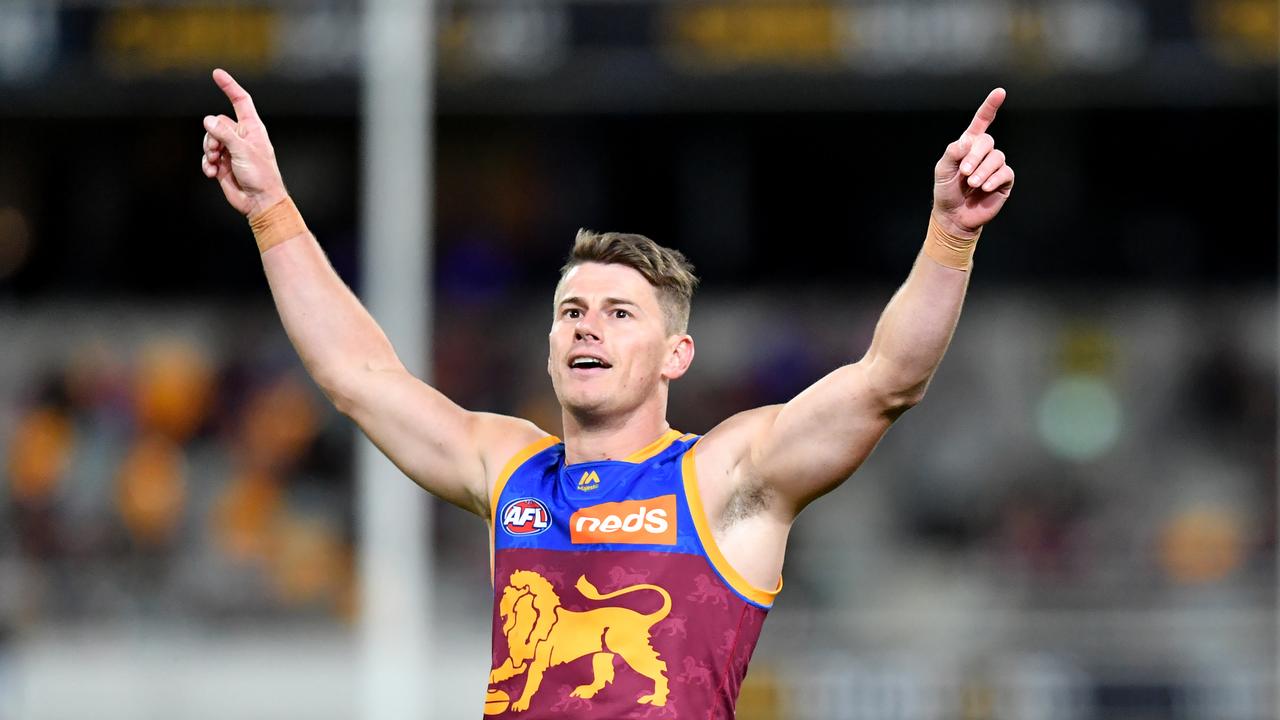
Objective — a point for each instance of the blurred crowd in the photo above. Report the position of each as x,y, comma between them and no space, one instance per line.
168,478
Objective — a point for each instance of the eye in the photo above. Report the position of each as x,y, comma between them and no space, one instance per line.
620,314
572,313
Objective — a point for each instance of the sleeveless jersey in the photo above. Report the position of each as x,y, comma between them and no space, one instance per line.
611,599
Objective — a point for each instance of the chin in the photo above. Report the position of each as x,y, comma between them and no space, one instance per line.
586,403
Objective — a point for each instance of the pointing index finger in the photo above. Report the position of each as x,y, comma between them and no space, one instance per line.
239,98
987,113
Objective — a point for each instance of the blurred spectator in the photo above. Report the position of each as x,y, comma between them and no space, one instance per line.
40,453
173,389
151,490
244,515
1201,544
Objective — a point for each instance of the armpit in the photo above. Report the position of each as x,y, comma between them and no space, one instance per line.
746,502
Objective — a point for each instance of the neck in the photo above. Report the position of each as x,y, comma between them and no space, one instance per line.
611,438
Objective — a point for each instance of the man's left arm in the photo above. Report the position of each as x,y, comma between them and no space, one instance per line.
811,444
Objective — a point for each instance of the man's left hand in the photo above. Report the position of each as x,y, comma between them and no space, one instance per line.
972,181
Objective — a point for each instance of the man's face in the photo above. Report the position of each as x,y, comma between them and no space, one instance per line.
609,348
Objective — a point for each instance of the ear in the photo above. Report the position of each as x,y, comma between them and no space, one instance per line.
550,345
679,356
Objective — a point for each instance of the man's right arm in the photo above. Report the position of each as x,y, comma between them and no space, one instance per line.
449,451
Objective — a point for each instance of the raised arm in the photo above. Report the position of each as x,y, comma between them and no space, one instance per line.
796,452
447,450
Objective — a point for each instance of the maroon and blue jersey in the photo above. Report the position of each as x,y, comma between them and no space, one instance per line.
611,599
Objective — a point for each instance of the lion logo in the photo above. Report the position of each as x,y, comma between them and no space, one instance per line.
541,634
706,592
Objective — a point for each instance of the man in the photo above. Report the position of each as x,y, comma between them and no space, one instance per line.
633,564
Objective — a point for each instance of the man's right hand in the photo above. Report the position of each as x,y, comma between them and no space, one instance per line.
239,155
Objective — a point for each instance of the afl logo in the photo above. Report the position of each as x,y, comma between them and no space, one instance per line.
526,516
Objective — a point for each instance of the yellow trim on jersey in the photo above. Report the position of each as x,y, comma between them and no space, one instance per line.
509,469
731,576
653,448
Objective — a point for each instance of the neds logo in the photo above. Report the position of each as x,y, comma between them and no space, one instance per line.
526,516
633,522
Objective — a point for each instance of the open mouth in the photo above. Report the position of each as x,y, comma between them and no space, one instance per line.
588,362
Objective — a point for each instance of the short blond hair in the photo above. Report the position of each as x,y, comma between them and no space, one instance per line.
667,270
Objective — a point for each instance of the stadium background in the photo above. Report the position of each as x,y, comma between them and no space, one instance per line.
1079,521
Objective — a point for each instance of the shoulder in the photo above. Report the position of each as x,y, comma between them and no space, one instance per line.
503,439
731,441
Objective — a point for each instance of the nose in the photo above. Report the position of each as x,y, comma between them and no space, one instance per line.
585,329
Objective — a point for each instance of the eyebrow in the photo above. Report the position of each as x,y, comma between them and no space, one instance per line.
575,300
